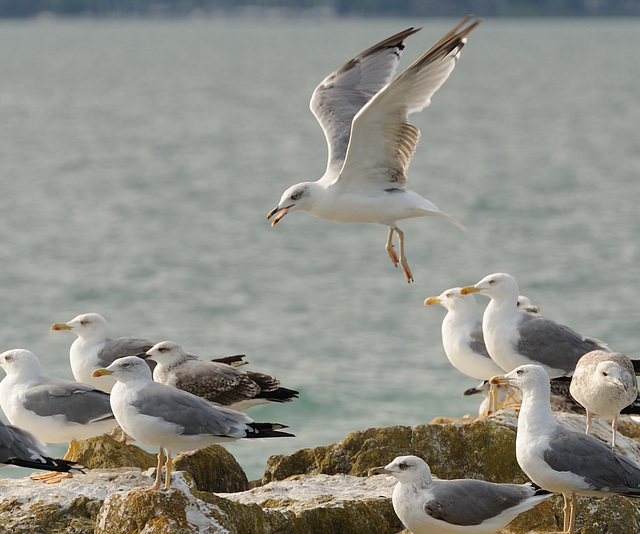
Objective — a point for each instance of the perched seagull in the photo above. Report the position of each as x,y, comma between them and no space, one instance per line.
433,506
604,383
171,419
462,337
524,304
21,448
218,383
515,338
365,119
559,459
488,405
54,410
94,348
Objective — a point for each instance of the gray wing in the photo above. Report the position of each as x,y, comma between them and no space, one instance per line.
477,341
194,415
215,382
470,502
79,403
593,460
121,347
344,92
552,344
18,443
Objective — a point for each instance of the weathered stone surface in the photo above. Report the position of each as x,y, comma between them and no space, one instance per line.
321,494
104,452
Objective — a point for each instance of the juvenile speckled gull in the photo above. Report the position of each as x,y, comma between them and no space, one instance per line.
215,382
22,449
54,410
515,338
364,116
433,506
559,459
171,419
604,383
94,349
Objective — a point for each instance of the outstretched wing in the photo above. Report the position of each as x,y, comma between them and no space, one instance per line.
382,141
343,93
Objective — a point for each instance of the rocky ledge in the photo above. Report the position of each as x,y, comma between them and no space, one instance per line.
313,491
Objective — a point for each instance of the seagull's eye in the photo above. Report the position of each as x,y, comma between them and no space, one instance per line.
84,322
403,465
296,195
492,282
126,364
8,358
162,349
604,373
449,295
519,372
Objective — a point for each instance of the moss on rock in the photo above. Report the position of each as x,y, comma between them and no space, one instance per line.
213,469
104,452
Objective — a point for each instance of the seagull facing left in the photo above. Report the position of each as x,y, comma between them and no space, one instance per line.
365,119
433,506
172,419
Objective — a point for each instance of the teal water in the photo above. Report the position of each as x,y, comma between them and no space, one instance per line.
138,161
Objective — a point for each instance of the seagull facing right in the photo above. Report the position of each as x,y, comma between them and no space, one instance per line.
365,119
559,459
604,383
434,506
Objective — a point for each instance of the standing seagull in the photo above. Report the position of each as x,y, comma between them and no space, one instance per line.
559,459
604,383
218,383
171,419
54,410
515,338
94,348
365,119
433,506
21,448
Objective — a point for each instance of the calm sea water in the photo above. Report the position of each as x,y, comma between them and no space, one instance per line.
138,161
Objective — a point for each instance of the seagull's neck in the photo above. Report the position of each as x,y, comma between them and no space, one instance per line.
536,416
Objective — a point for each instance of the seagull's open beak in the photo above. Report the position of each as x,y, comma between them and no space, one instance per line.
431,301
60,326
101,372
468,290
500,379
378,471
281,213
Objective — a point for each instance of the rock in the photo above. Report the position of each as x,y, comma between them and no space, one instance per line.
104,452
313,491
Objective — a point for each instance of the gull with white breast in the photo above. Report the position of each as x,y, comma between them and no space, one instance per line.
171,419
559,459
54,410
426,505
365,118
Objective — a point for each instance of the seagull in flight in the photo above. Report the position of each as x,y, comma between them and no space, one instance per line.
365,119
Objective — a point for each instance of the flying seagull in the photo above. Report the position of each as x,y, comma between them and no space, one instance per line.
365,119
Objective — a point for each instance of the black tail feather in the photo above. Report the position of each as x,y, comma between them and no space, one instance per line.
51,464
269,430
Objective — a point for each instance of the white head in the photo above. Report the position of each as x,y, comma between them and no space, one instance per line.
87,326
525,305
610,374
406,469
452,300
166,352
297,197
496,286
127,369
20,362
527,378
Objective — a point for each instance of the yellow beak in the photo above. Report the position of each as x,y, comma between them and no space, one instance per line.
60,326
499,379
101,372
468,290
431,301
